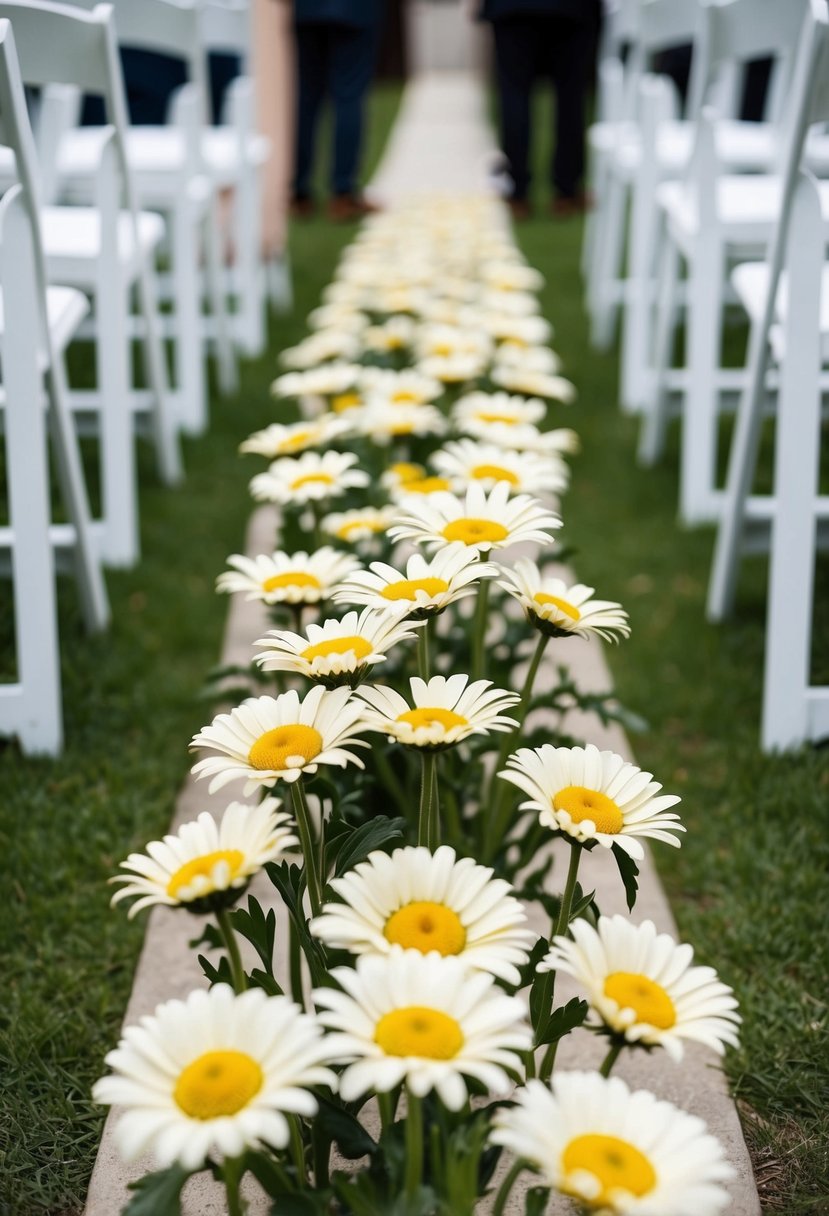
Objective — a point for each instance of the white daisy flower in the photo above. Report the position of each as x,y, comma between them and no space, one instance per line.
396,333
444,711
333,342
428,901
511,353
516,304
401,472
382,423
268,739
642,986
360,524
215,1073
339,317
593,795
447,341
417,486
405,387
489,408
342,403
536,384
454,369
524,437
616,1152
311,477
464,461
424,588
423,1019
287,578
561,610
280,439
480,520
505,326
336,651
511,276
207,865
324,381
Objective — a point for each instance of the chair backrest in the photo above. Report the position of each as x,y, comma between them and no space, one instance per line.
227,25
169,29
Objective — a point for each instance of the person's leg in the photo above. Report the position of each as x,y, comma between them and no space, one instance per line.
312,56
570,43
515,60
353,52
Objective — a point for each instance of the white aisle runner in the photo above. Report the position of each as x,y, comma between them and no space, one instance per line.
441,144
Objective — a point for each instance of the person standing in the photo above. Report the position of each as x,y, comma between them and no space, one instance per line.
556,39
336,42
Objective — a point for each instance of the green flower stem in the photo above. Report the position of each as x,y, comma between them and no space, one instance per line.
499,796
506,1187
306,836
414,1144
386,1108
387,776
298,1149
434,815
423,639
611,1058
479,629
295,964
237,971
232,1170
322,1158
428,795
563,921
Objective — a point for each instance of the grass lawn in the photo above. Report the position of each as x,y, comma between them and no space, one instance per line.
746,886
131,703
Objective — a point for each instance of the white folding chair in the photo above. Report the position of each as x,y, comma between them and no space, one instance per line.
761,290
793,710
170,177
712,220
35,323
235,153
106,252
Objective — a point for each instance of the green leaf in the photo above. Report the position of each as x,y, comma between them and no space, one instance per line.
257,928
563,1020
365,839
158,1194
629,871
341,1126
535,1203
216,975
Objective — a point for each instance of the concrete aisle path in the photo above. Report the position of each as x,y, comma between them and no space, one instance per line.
441,144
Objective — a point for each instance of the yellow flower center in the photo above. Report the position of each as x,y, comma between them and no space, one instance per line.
649,1000
447,718
324,650
298,440
487,416
442,349
401,427
407,588
614,1163
324,479
218,1084
514,343
203,867
475,531
345,401
542,598
423,925
406,471
291,578
357,525
580,804
495,472
276,747
419,1031
404,396
425,485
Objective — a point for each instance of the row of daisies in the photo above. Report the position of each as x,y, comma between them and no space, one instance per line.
410,426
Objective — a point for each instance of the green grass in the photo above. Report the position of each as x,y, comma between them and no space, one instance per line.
749,885
131,703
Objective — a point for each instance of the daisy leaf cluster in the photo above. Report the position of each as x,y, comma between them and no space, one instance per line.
405,785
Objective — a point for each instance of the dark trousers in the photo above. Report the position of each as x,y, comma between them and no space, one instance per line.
335,60
560,48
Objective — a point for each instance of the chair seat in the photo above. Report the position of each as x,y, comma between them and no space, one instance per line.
751,283
742,146
221,152
747,206
66,308
72,242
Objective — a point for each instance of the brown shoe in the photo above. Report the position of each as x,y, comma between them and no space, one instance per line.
565,207
347,208
302,207
520,209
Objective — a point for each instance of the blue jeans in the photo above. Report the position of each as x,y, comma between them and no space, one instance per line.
336,61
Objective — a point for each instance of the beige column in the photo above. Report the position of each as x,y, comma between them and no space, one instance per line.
273,70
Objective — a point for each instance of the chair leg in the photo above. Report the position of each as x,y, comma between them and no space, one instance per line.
279,283
250,317
164,427
654,425
700,416
610,240
227,370
119,481
188,350
637,309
